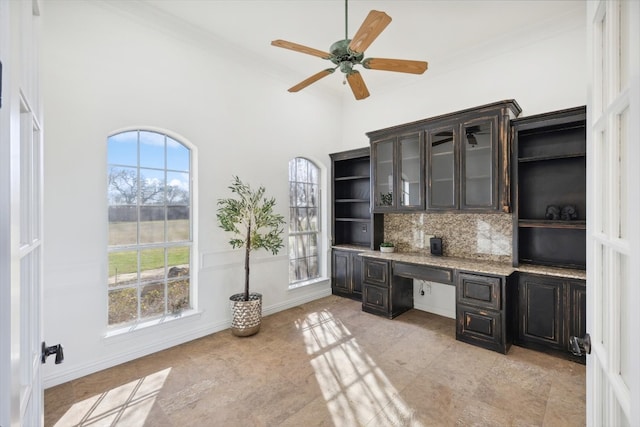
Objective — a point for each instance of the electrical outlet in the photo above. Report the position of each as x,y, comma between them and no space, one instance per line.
427,288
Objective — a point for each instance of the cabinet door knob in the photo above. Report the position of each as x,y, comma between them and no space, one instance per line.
580,346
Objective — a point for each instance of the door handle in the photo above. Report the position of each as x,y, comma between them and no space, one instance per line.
580,346
48,351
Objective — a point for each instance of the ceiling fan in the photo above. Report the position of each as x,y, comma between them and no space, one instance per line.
347,53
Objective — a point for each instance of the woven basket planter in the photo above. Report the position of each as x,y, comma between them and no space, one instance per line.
246,315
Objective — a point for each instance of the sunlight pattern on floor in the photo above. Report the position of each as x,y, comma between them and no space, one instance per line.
126,405
354,387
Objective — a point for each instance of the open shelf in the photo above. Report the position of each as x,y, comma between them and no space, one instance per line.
551,169
550,157
562,247
351,178
352,221
559,182
352,200
544,223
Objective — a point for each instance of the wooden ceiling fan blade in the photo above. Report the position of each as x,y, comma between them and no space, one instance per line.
312,79
358,87
370,29
300,48
397,65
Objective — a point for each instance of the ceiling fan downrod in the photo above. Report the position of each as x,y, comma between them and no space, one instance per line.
346,20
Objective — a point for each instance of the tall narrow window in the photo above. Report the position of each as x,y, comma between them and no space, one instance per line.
304,221
150,238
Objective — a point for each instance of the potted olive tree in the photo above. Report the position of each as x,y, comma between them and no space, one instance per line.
250,217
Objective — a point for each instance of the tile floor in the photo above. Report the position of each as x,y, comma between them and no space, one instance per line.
326,363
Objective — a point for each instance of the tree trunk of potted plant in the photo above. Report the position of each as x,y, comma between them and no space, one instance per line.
253,214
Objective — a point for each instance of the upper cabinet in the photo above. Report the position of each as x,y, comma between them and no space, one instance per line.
550,179
398,173
458,161
463,166
479,164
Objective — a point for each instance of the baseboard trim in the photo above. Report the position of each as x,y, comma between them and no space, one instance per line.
191,334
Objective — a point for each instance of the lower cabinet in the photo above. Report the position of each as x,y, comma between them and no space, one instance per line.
550,311
382,293
346,274
483,310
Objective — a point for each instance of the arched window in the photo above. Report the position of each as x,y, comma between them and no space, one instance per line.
150,226
304,221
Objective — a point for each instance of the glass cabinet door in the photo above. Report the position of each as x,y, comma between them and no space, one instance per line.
410,172
441,166
383,174
477,150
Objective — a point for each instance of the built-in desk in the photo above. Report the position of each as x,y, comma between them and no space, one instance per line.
487,308
484,292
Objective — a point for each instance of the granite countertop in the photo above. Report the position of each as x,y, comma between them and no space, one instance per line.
478,266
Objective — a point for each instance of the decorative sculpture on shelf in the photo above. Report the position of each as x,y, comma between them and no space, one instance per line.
568,213
552,213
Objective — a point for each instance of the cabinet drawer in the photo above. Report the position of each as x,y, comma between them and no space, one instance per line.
480,327
375,298
479,291
375,272
423,272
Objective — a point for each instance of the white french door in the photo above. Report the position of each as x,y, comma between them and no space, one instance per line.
613,199
21,171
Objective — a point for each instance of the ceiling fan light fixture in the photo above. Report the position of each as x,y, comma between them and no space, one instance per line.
346,67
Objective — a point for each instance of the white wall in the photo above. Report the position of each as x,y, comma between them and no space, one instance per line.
104,72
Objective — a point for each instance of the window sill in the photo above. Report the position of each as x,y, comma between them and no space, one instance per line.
306,283
145,325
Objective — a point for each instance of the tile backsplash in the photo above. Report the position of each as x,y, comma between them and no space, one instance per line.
474,236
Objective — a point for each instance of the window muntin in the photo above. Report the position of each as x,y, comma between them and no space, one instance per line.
304,220
150,237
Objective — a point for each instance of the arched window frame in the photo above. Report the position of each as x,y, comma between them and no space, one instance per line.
173,245
305,222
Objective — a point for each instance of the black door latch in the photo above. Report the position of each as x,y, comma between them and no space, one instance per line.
48,351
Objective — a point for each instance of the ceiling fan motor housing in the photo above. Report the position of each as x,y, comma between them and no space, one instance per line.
343,57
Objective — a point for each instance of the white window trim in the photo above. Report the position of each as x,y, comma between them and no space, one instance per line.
117,330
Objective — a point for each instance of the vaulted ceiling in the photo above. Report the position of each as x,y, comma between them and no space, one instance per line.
430,30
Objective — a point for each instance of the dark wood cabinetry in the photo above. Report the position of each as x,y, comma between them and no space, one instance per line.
382,293
458,161
352,225
549,169
483,305
346,269
352,221
550,310
550,172
464,165
398,183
